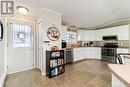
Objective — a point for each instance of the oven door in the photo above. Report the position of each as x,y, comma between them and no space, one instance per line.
108,52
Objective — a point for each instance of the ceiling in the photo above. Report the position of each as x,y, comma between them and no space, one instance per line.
82,13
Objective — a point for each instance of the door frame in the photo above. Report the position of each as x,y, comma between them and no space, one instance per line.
38,49
22,21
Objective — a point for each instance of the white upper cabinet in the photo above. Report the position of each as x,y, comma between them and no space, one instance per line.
110,31
123,32
96,35
83,35
87,35
91,35
80,35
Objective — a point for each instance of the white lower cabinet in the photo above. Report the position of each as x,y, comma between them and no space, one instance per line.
76,54
116,82
87,53
83,35
122,50
91,53
98,53
94,53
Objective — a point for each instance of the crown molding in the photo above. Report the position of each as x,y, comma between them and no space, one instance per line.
113,23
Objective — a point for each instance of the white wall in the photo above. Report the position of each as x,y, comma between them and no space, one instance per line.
3,54
47,19
2,48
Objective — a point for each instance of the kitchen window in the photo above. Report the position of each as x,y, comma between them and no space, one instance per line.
71,37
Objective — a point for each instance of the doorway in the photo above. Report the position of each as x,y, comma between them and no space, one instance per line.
20,46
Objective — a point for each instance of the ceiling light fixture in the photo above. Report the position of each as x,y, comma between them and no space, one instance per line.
22,9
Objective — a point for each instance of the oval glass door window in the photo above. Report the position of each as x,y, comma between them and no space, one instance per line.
21,36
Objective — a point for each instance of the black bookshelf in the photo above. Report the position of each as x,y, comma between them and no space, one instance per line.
54,63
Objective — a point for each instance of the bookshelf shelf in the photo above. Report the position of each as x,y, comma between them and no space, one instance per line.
54,63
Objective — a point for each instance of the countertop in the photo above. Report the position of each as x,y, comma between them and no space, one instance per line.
95,47
121,72
127,56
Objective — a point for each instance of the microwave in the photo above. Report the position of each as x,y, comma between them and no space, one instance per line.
1,31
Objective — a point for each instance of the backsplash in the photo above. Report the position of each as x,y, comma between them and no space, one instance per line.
124,43
121,43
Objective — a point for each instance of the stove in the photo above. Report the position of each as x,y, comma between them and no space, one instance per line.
109,50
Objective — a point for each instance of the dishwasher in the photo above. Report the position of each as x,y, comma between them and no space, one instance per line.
68,56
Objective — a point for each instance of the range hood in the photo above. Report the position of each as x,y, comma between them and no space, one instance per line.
110,38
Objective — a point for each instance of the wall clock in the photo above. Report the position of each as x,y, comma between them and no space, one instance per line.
53,34
1,31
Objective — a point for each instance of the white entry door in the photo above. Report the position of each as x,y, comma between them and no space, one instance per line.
20,47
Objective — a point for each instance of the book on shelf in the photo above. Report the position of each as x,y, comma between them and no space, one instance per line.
54,72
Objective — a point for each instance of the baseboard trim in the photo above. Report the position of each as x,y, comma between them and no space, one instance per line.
2,78
17,71
43,74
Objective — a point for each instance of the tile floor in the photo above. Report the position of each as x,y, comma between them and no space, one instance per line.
87,73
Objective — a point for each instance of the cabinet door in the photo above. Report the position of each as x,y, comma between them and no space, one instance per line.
122,50
82,53
92,35
92,53
104,32
89,52
113,31
86,51
81,35
98,35
123,32
109,31
78,35
86,35
98,53
75,54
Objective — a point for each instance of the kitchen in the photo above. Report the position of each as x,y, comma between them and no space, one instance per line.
56,43
99,38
